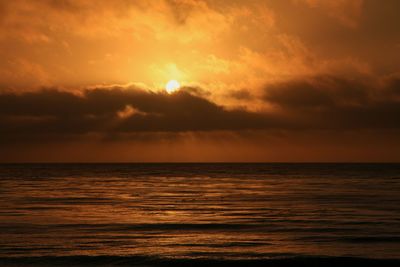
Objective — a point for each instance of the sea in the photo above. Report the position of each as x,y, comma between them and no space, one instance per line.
200,214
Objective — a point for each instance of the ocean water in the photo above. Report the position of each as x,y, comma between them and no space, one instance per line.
204,212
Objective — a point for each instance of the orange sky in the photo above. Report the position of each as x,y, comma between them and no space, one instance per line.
293,80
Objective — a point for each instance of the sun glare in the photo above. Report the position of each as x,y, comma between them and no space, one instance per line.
172,86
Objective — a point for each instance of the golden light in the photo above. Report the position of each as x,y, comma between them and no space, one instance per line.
172,86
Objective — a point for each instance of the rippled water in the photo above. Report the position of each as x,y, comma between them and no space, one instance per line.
226,211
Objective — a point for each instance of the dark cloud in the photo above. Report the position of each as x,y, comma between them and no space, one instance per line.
393,88
317,103
241,94
317,93
51,112
329,102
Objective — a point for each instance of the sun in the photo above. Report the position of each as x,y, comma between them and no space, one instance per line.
172,86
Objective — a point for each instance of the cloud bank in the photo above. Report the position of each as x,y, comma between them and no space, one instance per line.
309,104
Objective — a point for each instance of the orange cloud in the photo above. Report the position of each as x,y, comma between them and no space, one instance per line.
348,12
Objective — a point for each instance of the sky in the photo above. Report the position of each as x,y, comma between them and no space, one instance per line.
262,81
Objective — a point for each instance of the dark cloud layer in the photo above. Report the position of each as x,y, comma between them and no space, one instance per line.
118,110
329,102
316,103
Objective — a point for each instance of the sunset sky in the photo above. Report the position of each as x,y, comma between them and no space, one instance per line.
273,80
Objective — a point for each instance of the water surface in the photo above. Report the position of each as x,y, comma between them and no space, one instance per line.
200,211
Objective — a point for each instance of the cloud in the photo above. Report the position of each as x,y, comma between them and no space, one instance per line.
348,12
213,44
337,103
309,104
317,92
51,113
